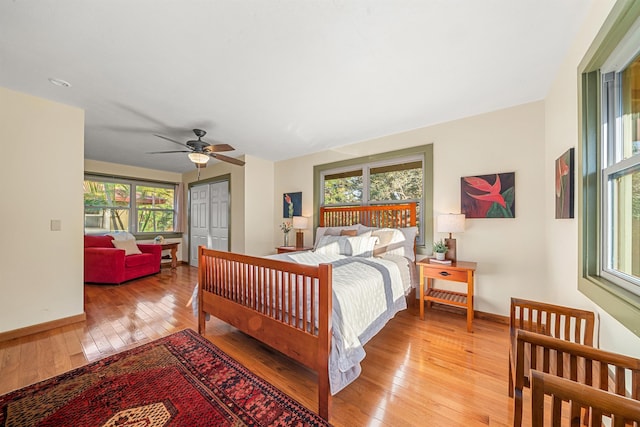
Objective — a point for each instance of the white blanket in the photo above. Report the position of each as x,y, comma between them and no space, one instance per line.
367,293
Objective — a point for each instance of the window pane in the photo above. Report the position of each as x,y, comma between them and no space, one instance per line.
343,188
624,255
109,194
396,182
154,197
150,221
155,209
106,207
631,110
105,220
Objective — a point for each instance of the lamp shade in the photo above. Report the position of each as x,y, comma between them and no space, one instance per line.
300,222
198,157
451,223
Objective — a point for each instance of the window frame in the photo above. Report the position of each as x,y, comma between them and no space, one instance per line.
616,300
133,208
614,164
423,153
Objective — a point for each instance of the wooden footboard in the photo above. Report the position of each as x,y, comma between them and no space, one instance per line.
285,305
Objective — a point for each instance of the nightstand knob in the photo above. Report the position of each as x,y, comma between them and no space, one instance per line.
445,273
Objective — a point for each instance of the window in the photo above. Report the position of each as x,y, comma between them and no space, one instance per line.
109,207
621,171
609,196
375,183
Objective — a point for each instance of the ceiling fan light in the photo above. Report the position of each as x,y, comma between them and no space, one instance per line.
198,158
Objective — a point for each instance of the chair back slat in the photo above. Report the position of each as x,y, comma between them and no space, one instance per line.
585,402
570,324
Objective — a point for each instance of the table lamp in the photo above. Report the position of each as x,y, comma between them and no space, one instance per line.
300,223
451,223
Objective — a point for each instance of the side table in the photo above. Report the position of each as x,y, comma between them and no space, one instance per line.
461,271
174,250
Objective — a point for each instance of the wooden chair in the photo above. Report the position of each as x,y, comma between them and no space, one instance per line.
596,403
570,324
576,362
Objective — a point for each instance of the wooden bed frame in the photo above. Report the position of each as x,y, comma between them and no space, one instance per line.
254,294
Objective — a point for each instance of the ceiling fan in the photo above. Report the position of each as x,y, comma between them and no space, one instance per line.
200,151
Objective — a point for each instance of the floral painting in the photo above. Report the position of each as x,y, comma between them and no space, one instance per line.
564,185
292,205
488,196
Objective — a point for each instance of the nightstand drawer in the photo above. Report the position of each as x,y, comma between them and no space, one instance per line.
445,274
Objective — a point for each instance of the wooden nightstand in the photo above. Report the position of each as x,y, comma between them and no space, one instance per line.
461,271
285,249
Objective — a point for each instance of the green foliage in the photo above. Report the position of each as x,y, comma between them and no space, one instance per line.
440,247
340,191
396,185
497,211
383,186
155,205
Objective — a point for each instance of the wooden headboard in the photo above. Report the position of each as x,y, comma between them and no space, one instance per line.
391,216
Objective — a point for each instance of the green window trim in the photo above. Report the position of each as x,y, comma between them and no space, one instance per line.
621,304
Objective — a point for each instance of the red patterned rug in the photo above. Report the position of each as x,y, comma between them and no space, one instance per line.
179,380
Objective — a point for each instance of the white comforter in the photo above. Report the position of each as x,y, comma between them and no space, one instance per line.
367,293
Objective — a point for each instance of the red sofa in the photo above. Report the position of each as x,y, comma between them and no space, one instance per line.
103,263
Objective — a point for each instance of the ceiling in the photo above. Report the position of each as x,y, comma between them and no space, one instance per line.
280,78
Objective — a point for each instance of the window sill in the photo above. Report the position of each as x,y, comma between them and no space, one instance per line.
151,236
622,305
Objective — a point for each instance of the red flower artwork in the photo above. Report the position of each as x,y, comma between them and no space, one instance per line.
564,185
488,196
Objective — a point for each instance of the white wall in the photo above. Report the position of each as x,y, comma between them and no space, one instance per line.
509,252
561,134
41,271
258,199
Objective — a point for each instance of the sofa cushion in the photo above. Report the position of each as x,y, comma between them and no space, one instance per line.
129,246
137,260
98,241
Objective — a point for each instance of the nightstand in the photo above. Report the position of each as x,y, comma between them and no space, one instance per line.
461,271
285,249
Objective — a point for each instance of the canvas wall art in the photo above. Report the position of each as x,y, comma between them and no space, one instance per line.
291,205
564,185
488,196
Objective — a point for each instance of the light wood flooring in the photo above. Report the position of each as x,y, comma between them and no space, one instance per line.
416,373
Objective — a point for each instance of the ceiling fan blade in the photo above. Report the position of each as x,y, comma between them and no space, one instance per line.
227,159
216,148
169,139
176,151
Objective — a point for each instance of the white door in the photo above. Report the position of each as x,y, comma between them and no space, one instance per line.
219,210
209,218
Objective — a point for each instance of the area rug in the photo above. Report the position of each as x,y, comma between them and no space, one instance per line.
178,380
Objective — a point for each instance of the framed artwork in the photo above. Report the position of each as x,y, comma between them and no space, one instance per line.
564,185
488,196
291,205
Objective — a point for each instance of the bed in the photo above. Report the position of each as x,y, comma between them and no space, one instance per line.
319,307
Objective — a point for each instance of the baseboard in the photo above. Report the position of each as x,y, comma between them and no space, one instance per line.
41,327
491,317
476,314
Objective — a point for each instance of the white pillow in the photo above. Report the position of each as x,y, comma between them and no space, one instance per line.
335,231
361,245
122,235
129,246
331,245
396,241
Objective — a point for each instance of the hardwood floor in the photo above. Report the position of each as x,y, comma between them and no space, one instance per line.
429,372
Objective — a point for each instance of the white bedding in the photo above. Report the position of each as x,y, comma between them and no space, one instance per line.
367,293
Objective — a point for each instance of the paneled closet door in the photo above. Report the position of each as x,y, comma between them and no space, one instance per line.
209,218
